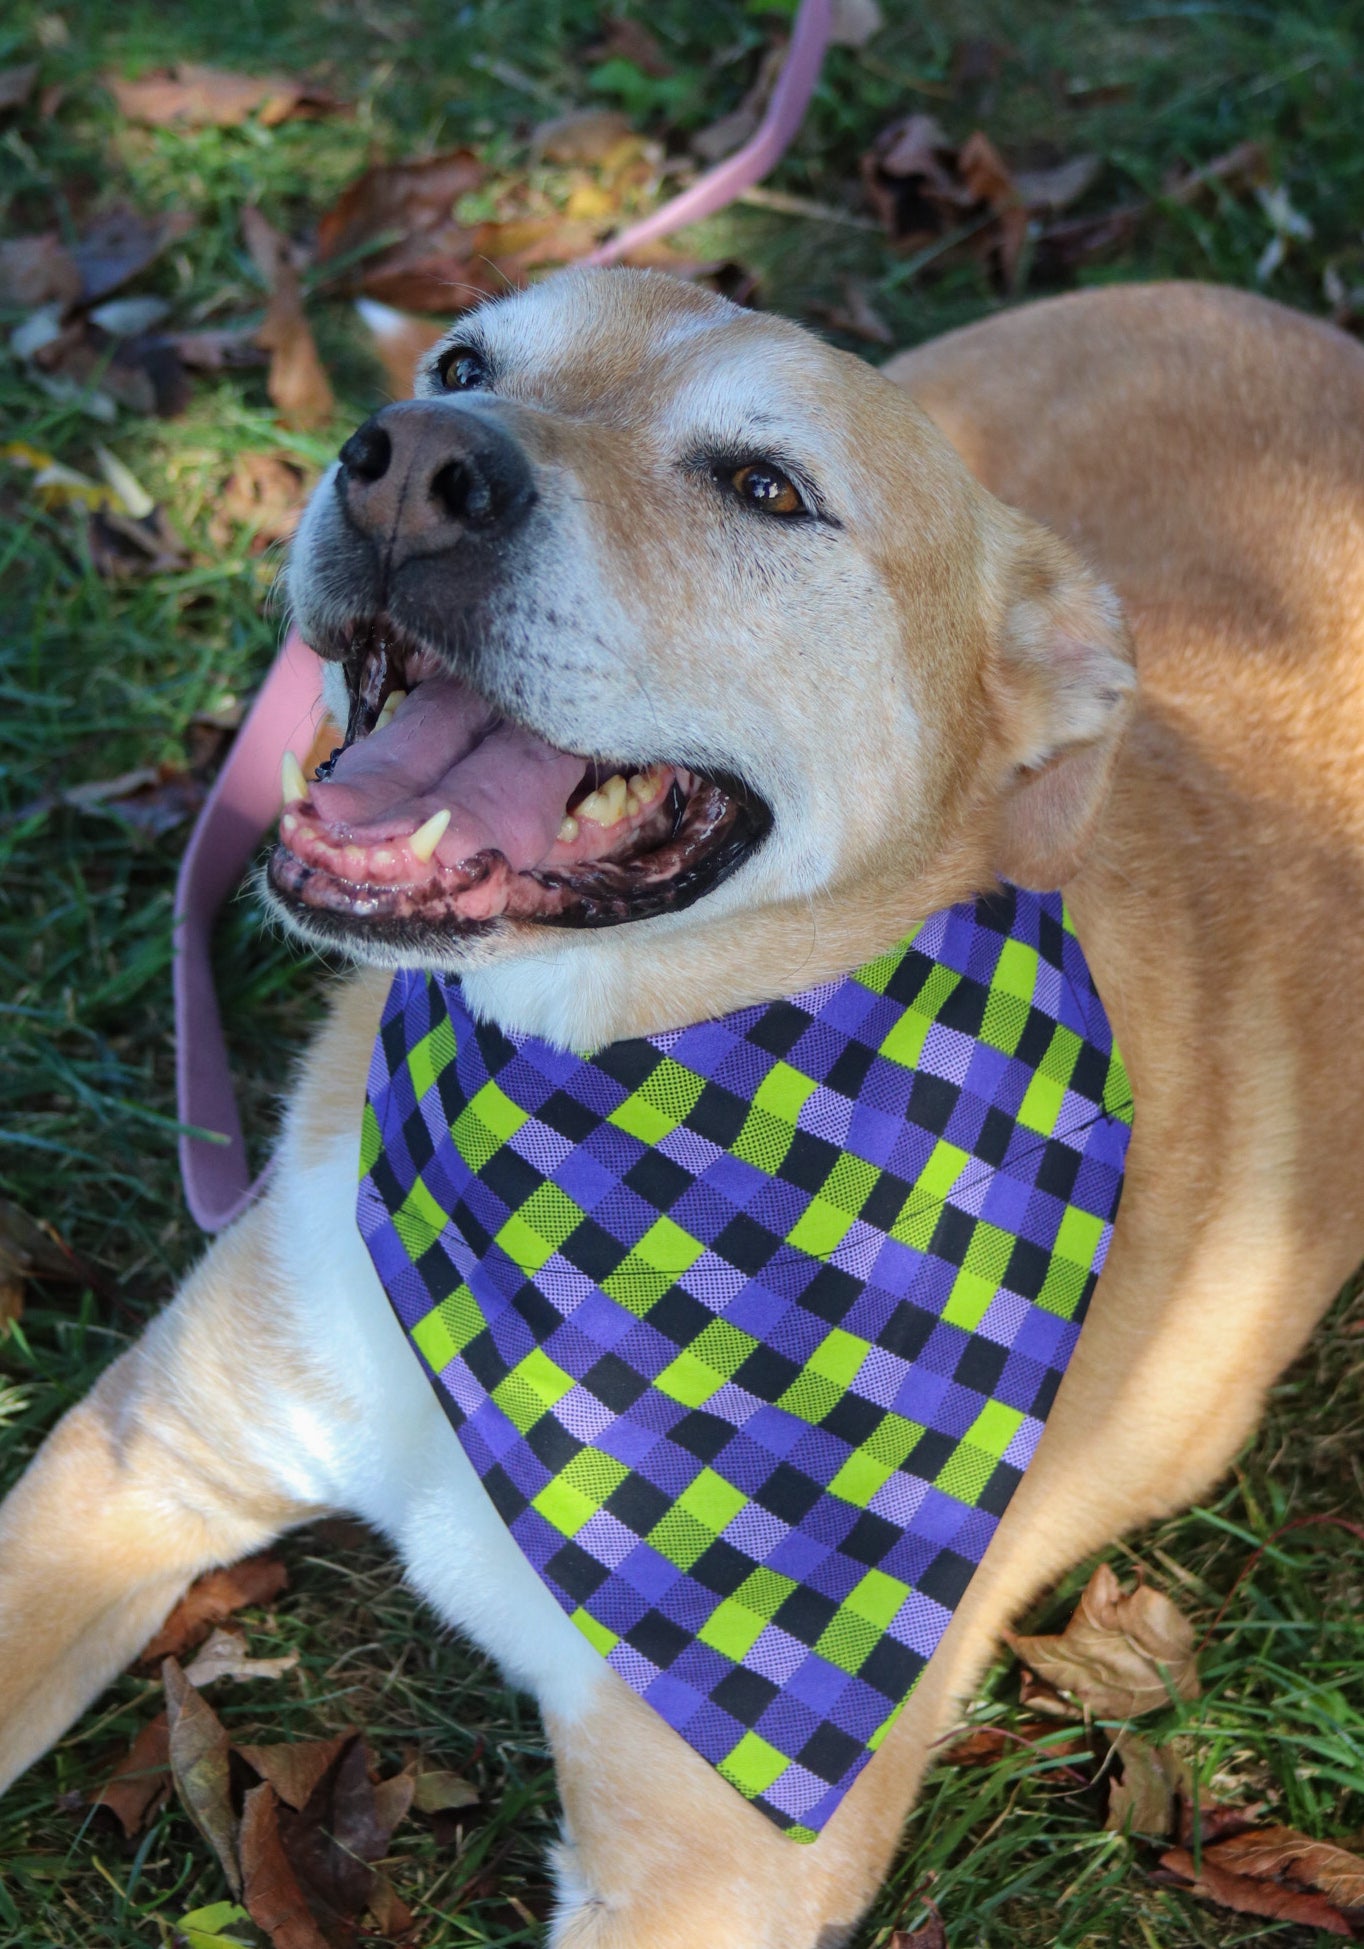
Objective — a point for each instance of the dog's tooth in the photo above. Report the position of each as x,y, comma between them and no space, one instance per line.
568,830
394,699
293,785
608,805
425,839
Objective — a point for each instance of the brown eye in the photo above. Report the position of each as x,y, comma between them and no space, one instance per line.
461,370
767,489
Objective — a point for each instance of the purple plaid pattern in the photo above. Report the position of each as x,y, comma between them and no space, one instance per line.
750,1328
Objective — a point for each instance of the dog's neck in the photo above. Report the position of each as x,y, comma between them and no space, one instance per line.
586,990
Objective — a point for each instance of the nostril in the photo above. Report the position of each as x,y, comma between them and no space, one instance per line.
464,492
367,453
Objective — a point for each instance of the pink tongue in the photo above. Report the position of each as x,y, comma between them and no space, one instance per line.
505,788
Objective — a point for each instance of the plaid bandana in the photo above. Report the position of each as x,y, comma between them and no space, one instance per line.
750,1328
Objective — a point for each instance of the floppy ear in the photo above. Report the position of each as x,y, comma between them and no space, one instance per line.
1065,685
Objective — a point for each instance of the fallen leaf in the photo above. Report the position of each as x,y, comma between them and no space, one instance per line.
721,138
1123,1652
224,1655
203,1928
585,137
439,1793
217,350
399,342
344,1826
1209,1821
122,548
1247,1896
297,381
394,203
30,1249
141,1780
858,316
195,96
265,492
389,1912
854,22
931,1936
294,1767
987,1745
627,40
120,244
37,271
199,1763
1282,1851
16,85
256,1580
269,1885
1142,1797
1056,189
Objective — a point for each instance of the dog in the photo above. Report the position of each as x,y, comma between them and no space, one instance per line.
1072,598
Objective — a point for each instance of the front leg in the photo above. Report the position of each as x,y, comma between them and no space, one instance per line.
162,1472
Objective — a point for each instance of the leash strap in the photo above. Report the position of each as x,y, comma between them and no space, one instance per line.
240,808
245,799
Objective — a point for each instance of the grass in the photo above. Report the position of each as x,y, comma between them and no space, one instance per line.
95,679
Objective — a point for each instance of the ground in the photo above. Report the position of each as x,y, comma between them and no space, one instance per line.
97,678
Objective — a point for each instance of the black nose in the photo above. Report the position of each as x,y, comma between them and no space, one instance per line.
422,475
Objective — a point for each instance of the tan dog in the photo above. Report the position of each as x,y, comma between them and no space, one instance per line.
856,687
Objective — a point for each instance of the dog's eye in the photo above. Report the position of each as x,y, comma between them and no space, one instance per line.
461,370
766,488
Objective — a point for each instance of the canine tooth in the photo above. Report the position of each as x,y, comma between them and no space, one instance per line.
292,783
390,709
288,823
425,839
568,830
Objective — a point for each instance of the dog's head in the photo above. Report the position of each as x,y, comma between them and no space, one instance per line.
648,612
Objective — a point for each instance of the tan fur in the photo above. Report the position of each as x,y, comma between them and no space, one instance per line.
1202,451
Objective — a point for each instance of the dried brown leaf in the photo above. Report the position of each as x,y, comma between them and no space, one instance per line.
439,1792
1284,1852
141,1780
395,201
931,1936
855,22
584,138
858,316
122,547
297,381
222,349
16,85
265,492
224,1655
388,1911
730,132
120,244
294,1767
1247,1896
195,96
256,1580
1122,1653
270,1888
627,40
37,271
1056,189
199,1761
1142,1797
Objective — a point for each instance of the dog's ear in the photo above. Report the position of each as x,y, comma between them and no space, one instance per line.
1065,685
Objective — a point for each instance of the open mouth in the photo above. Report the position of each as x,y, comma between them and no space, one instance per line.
441,813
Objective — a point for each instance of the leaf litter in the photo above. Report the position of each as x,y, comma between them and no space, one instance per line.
300,1828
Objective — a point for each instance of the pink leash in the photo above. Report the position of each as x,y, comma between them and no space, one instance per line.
245,798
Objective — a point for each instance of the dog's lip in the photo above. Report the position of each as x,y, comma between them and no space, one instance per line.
441,811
